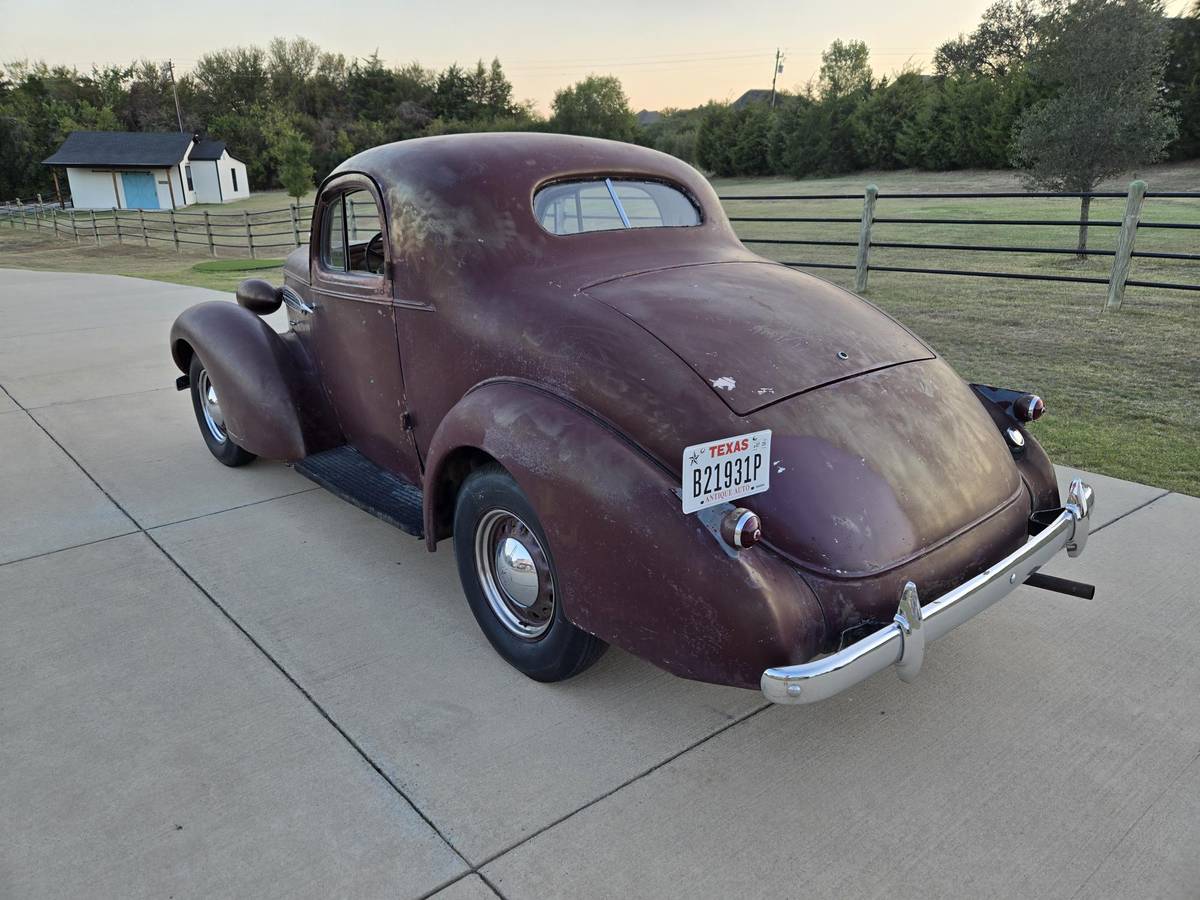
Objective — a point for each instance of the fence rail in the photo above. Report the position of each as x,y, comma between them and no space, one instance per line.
1122,255
272,230
230,234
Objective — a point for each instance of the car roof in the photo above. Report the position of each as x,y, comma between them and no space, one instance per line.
464,202
499,163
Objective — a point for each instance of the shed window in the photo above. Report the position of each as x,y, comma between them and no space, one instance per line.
233,175
187,170
572,207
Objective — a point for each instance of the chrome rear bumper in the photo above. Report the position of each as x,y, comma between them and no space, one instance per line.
902,643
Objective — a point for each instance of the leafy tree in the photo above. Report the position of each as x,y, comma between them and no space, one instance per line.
232,81
881,118
1106,59
676,132
292,152
498,97
1183,82
845,70
596,107
1002,41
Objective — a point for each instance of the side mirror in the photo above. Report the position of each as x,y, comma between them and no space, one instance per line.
259,296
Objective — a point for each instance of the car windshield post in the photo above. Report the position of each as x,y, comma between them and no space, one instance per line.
612,192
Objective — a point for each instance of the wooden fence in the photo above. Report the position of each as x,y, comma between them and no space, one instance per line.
232,234
267,232
1122,254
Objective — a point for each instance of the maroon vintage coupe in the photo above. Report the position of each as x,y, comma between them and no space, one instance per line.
555,352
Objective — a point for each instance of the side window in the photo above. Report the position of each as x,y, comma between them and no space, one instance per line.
333,237
352,239
233,173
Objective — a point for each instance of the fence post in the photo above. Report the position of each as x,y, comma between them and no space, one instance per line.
295,224
249,234
74,226
142,223
37,214
12,215
54,219
95,230
861,266
1121,262
117,224
174,230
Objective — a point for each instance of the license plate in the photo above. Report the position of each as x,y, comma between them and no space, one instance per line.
725,469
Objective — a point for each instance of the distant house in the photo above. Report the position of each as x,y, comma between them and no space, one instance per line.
148,170
754,95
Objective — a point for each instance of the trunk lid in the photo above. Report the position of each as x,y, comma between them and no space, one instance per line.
874,472
759,332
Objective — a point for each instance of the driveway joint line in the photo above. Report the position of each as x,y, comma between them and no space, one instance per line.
79,465
111,537
253,641
624,784
1140,506
1128,831
307,696
30,409
217,512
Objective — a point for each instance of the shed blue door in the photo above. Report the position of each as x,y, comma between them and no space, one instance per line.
140,190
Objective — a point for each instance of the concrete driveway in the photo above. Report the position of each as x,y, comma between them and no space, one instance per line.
220,682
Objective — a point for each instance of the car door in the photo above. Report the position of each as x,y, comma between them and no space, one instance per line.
353,324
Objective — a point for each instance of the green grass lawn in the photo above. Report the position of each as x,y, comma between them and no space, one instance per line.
1122,389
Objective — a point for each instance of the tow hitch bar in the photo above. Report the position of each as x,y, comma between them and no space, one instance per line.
1061,585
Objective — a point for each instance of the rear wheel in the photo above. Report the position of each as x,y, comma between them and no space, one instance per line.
211,418
510,581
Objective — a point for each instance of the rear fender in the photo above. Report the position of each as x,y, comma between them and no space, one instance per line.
1031,460
268,387
634,570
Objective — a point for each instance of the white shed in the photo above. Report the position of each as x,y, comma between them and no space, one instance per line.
216,176
147,170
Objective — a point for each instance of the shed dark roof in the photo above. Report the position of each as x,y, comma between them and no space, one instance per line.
207,150
120,148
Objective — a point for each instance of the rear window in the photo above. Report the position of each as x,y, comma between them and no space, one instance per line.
605,204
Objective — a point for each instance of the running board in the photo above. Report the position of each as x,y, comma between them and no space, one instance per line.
345,472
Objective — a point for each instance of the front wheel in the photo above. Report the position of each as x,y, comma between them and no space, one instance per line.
211,419
509,578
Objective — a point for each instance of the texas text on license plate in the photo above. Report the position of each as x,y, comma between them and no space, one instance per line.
726,469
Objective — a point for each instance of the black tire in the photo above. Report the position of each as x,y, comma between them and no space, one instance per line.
219,444
561,650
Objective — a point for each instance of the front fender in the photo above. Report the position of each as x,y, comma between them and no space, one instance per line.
269,394
635,570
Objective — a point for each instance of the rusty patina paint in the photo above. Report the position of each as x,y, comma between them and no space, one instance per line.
585,363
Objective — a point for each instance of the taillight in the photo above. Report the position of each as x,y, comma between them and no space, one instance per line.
741,529
1029,407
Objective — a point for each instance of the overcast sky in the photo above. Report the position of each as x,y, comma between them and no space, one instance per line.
667,53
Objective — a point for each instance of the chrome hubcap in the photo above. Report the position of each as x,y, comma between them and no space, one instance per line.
514,573
211,406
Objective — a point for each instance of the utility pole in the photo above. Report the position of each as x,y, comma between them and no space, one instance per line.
775,74
175,92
